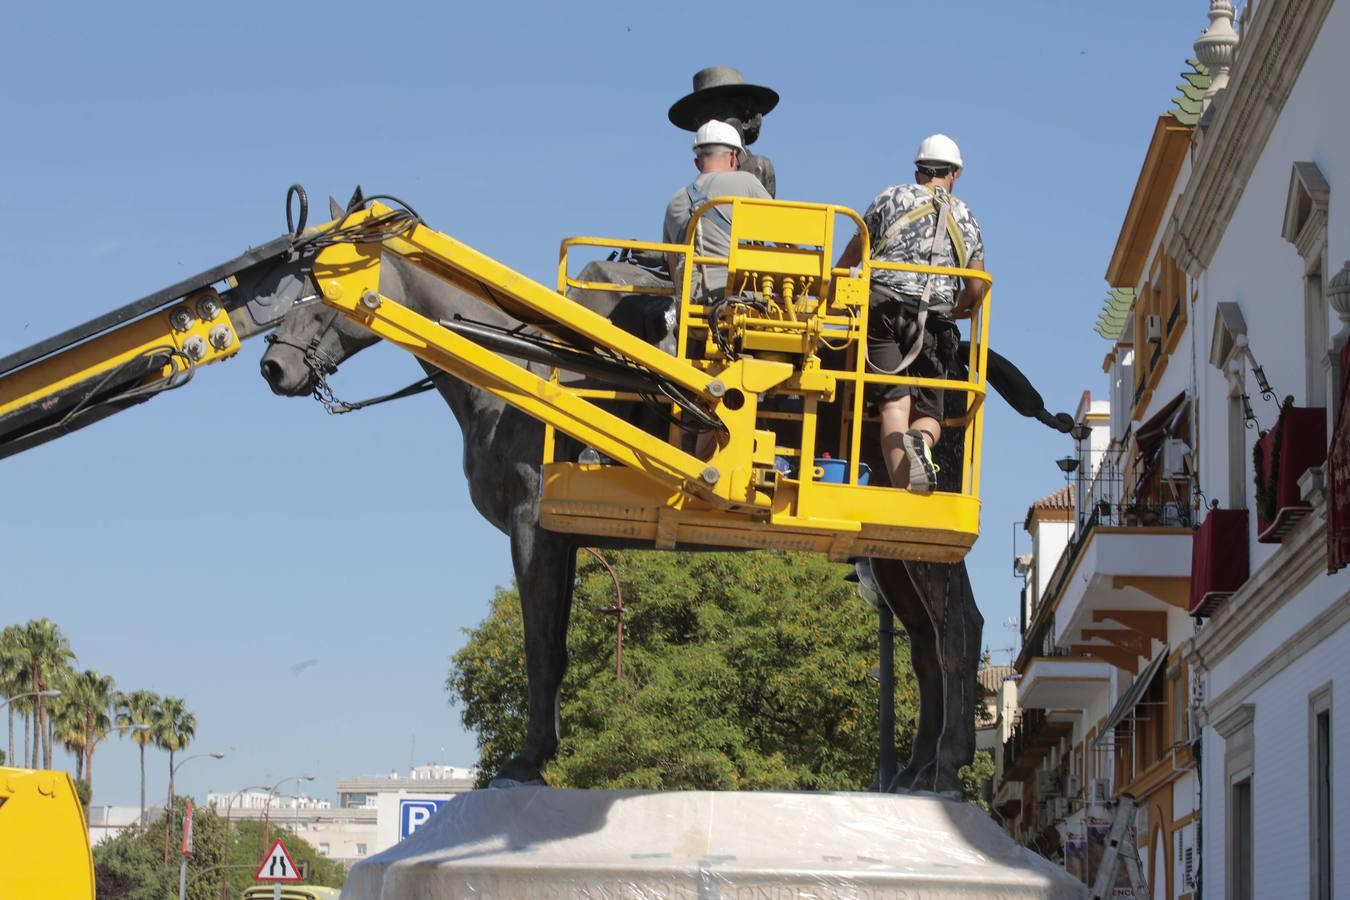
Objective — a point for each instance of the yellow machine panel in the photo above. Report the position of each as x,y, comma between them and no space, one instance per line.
786,305
44,840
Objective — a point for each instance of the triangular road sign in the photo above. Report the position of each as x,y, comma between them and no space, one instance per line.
278,866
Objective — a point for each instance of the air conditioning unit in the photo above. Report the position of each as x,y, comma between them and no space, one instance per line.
1101,791
1073,786
1175,460
1153,328
1186,857
1048,784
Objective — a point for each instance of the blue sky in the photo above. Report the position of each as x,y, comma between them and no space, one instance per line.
206,542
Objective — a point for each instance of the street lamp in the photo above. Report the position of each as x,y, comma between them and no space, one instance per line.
1068,465
168,807
48,695
267,807
616,611
229,806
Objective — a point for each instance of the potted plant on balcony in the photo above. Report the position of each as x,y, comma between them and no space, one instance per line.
1297,442
1139,515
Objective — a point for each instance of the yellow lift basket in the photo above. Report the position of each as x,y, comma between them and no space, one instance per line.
44,840
799,327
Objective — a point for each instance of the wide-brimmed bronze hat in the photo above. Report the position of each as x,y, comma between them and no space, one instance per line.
720,83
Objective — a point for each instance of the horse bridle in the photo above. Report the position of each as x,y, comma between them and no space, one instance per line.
320,366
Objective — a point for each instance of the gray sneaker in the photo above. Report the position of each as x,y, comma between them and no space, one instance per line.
922,470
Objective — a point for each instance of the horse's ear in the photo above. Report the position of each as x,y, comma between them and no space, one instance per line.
358,200
334,208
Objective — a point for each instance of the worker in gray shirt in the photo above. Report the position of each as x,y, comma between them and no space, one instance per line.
717,149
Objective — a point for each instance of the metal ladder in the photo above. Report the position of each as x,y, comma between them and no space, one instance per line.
1121,849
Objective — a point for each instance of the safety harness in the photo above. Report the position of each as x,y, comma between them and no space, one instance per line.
928,208
945,225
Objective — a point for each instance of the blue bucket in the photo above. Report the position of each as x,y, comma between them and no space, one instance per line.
835,471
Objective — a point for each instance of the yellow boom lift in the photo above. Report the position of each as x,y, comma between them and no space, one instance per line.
776,370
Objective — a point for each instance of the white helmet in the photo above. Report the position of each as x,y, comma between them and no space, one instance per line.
715,132
938,149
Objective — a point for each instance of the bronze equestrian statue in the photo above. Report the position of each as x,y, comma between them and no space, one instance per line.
503,449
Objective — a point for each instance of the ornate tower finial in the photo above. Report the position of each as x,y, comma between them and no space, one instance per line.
1216,46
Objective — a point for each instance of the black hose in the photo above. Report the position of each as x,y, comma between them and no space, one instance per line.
297,190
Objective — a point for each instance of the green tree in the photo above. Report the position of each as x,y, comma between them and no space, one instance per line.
84,792
130,866
69,730
173,729
86,707
136,715
46,654
975,776
13,677
740,671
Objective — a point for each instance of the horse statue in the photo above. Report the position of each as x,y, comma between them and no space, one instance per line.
503,449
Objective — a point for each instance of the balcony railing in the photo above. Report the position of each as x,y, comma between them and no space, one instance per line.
1033,734
1108,502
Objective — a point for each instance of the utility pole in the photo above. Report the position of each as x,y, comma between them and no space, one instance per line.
184,853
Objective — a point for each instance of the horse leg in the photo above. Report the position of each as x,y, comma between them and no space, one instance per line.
959,630
545,565
898,589
936,607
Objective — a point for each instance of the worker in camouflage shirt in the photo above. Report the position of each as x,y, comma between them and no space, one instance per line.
919,224
911,241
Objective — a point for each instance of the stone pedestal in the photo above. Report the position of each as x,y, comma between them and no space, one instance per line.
531,842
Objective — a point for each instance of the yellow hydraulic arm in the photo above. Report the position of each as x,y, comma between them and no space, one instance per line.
776,371
144,348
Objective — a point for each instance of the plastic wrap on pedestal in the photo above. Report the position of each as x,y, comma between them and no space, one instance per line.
533,842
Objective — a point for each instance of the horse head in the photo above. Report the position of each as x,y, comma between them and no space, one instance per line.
312,340
309,344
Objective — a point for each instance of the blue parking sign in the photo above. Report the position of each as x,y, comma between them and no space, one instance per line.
413,814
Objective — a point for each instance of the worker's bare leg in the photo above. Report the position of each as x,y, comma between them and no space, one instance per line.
895,423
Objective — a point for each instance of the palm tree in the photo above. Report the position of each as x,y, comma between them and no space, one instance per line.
69,729
46,653
13,676
173,729
139,708
87,703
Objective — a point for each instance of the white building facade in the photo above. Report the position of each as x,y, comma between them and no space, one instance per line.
1263,234
1190,645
